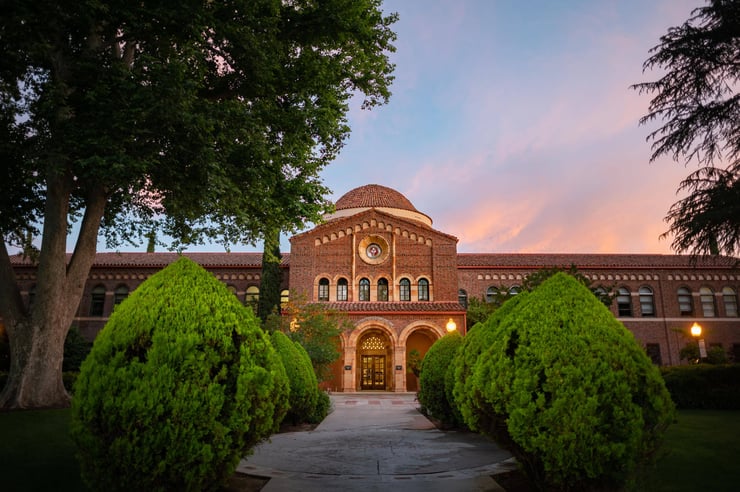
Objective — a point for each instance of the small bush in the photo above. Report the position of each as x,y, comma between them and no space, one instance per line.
323,405
435,387
76,349
180,384
704,386
570,392
304,389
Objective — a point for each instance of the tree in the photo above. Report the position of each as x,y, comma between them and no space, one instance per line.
269,300
315,328
207,121
698,103
181,383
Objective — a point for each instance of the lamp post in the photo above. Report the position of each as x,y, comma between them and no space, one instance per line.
451,326
696,333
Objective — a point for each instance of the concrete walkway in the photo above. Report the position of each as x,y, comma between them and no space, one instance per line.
377,441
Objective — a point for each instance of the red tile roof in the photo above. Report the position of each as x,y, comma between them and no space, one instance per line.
160,260
396,307
374,195
513,260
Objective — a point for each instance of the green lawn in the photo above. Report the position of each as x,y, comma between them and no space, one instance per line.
701,452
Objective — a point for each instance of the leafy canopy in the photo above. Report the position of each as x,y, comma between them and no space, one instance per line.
207,120
696,100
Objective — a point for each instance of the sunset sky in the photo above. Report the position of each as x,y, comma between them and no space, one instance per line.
512,125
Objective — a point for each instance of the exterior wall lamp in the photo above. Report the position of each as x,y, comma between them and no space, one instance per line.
696,333
451,326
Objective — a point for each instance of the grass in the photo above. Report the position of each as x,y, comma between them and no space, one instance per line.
700,453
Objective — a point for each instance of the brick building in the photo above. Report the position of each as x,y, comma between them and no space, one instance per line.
404,285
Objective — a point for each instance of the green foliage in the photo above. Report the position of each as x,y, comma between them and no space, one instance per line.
468,399
437,380
269,300
180,384
304,389
316,328
323,405
414,360
715,355
704,386
696,100
76,349
569,391
478,310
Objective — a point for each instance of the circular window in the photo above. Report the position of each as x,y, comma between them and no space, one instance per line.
373,250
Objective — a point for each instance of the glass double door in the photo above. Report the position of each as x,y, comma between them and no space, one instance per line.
373,372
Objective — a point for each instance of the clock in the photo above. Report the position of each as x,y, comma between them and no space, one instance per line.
373,251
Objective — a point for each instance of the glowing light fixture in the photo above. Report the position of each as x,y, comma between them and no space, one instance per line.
451,326
696,329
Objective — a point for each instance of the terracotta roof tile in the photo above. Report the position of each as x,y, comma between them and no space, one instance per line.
374,195
160,260
513,260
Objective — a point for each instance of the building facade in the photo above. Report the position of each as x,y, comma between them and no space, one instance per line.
403,285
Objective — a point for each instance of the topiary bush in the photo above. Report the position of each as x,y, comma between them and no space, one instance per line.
468,399
304,388
179,385
435,387
570,392
323,405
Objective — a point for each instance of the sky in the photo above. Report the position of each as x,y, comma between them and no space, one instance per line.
513,126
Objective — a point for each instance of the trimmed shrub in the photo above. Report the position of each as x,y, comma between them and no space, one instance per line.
304,389
704,386
323,405
468,399
570,392
435,387
179,385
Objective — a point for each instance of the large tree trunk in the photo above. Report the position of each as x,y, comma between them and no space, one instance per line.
36,334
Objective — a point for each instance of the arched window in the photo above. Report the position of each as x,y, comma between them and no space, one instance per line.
252,296
603,295
685,302
647,305
707,302
364,289
404,289
342,289
324,289
120,294
382,289
423,289
462,298
730,300
514,290
624,302
97,301
284,297
491,294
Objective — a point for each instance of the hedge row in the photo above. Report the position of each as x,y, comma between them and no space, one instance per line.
704,386
437,379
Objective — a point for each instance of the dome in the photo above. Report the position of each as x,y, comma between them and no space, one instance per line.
378,197
374,196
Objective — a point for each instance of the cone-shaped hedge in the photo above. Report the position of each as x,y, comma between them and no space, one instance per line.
473,409
179,385
437,379
304,388
581,402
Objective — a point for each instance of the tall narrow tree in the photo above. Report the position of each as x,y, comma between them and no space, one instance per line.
269,301
202,120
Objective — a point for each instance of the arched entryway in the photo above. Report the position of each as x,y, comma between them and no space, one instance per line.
374,361
417,344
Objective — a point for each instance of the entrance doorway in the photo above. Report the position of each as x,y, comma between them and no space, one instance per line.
374,354
373,372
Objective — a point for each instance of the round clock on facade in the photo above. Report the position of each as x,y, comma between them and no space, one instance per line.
373,249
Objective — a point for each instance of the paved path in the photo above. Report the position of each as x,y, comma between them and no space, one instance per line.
373,442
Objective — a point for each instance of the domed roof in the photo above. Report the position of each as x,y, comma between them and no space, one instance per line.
374,196
378,197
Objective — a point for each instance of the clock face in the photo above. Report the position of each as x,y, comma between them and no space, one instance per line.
373,251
